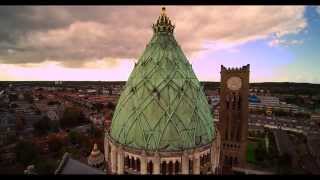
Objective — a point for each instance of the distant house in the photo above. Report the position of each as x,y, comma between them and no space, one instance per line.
1,93
315,117
53,115
71,166
254,99
97,119
7,126
91,91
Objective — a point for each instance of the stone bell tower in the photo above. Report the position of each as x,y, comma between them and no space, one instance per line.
234,91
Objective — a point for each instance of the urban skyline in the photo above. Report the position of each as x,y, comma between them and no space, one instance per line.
103,43
162,120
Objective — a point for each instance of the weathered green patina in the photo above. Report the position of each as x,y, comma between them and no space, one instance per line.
163,107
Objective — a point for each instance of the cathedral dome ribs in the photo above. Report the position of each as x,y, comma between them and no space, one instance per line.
162,121
162,107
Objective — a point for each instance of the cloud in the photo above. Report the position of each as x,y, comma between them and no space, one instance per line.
77,35
52,71
318,9
276,42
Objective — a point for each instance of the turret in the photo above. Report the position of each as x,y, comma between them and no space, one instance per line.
236,69
96,158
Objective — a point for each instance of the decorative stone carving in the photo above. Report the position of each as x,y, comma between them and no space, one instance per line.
113,159
143,163
120,161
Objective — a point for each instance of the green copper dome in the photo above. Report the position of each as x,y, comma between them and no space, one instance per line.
163,106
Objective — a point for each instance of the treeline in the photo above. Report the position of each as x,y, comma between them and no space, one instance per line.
289,88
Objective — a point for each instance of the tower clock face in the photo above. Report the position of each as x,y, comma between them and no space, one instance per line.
234,83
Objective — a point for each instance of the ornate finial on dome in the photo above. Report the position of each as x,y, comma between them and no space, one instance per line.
96,158
163,23
163,11
95,147
95,151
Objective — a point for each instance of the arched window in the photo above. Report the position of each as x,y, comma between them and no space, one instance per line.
190,166
126,162
233,101
236,160
130,162
230,161
109,154
208,157
198,140
226,160
138,164
170,167
227,101
163,167
177,167
150,167
133,163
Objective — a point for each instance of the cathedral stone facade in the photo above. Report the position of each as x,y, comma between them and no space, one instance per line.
162,123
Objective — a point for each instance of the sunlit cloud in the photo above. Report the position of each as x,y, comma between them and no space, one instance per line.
52,71
277,42
122,32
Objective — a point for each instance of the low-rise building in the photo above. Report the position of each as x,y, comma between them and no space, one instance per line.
315,117
70,166
7,127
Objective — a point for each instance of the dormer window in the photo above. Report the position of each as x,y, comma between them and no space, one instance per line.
133,89
156,93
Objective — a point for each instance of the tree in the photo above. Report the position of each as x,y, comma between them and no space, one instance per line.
96,133
85,144
28,97
72,117
20,122
260,151
45,166
54,143
81,140
74,137
98,106
42,126
13,97
284,163
26,152
54,126
111,106
14,105
285,159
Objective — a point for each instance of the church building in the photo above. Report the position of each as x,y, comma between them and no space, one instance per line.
162,123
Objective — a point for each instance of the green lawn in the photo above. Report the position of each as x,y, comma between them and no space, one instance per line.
250,153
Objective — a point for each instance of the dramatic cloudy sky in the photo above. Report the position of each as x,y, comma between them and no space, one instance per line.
102,42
